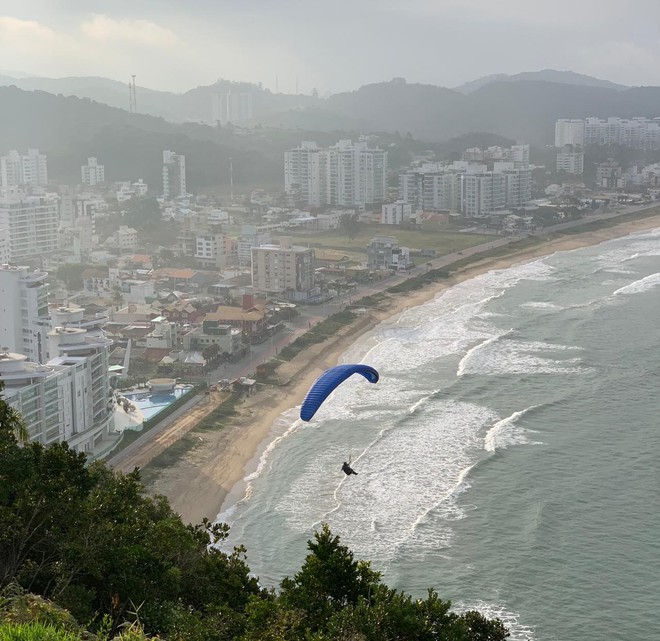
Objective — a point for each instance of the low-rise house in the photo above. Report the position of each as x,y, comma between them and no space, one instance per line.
250,318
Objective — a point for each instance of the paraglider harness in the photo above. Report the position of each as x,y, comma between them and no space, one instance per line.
347,469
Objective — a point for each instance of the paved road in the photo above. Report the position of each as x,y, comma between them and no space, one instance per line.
311,315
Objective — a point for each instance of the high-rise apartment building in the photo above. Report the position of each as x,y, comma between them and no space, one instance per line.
18,170
570,159
347,174
305,170
231,107
174,175
482,193
569,132
467,187
517,184
92,173
31,224
278,269
24,318
636,133
68,398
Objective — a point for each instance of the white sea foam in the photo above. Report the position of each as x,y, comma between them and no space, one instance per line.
408,470
518,631
639,286
540,305
505,432
502,355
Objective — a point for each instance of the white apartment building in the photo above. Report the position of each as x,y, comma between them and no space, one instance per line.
467,187
174,175
211,250
24,317
517,184
125,238
4,247
250,237
92,173
347,174
396,213
520,156
30,169
231,107
31,224
278,269
305,170
636,133
570,160
569,132
482,193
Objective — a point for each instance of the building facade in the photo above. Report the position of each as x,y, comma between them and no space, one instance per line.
174,175
92,173
278,269
18,170
396,213
24,316
347,174
570,160
383,252
31,224
569,132
636,133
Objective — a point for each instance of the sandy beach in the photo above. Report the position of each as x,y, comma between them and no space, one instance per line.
209,478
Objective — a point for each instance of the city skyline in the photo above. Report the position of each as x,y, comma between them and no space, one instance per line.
293,45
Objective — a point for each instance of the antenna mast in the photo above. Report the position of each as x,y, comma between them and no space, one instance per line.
134,97
231,180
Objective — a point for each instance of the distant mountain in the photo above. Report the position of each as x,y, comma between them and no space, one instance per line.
546,75
427,112
192,106
69,129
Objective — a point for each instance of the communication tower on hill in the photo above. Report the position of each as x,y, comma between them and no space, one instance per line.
132,98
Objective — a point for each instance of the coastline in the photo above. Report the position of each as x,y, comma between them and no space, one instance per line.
210,478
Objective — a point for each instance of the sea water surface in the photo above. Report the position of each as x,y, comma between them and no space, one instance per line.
509,456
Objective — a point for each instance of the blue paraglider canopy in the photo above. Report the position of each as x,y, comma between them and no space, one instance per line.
328,382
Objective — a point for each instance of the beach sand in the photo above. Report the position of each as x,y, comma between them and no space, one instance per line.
209,477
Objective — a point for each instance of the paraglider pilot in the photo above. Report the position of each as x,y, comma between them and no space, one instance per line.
347,469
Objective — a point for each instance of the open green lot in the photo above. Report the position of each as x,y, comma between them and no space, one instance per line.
444,242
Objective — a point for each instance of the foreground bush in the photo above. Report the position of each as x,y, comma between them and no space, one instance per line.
109,556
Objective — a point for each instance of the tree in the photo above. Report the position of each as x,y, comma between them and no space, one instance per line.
142,211
117,297
12,426
71,275
350,224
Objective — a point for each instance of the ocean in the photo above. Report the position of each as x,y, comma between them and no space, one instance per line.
508,457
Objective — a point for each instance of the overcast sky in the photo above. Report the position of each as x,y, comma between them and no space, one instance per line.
333,45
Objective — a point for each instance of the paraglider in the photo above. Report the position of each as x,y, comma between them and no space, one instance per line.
347,469
328,382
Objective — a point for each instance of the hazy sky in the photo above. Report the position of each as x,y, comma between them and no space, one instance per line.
333,45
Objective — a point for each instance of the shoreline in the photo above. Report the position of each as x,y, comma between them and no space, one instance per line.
211,478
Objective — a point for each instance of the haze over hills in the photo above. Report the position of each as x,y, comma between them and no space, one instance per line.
545,75
71,129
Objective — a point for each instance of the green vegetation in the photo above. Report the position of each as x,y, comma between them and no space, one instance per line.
417,282
103,552
318,333
444,242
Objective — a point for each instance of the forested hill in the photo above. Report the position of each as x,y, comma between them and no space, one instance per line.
523,107
524,111
70,129
93,542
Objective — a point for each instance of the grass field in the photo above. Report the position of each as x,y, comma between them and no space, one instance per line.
443,242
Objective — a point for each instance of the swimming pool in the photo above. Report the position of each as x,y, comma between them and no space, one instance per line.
152,403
